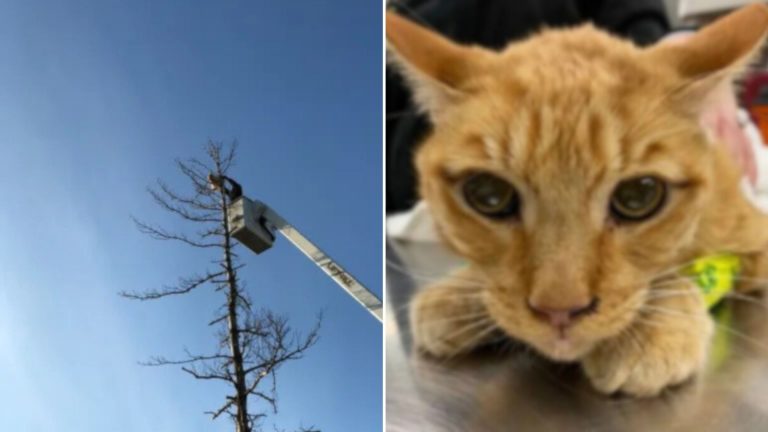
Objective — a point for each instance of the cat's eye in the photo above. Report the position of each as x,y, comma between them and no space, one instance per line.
491,196
638,198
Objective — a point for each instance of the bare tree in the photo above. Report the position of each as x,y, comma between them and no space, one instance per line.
253,343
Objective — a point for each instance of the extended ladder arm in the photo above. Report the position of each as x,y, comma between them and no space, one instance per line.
253,223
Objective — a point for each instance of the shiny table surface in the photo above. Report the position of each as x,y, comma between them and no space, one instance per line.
514,390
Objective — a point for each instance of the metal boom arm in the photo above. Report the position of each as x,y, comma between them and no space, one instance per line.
253,224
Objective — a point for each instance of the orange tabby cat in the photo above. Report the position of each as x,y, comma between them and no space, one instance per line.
572,173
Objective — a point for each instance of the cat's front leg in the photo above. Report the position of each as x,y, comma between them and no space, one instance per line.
666,345
449,317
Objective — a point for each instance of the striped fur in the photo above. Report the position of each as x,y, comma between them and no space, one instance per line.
564,116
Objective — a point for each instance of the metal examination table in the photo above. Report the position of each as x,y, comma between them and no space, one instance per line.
516,391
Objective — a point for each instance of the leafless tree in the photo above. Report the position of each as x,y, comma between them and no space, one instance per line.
253,343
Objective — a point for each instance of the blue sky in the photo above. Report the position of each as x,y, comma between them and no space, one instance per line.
96,100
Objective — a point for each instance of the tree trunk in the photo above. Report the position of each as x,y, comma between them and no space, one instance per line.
241,391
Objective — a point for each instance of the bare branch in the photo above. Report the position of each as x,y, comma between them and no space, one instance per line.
300,429
223,409
270,400
207,376
199,179
184,286
161,234
185,213
227,160
192,358
202,166
275,349
245,302
218,320
218,231
195,202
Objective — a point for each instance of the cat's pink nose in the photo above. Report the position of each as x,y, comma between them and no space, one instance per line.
563,317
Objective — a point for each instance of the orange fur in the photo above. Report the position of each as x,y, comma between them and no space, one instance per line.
564,116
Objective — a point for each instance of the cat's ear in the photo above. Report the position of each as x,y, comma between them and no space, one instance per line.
715,53
435,68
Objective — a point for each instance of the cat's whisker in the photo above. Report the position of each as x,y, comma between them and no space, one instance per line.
678,313
651,322
477,337
751,279
755,342
730,296
471,318
632,303
747,299
659,291
465,322
476,327
734,276
469,296
673,312
653,294
648,285
672,270
663,286
392,265
657,296
691,290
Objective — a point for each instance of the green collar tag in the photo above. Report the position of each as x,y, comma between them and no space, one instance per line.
715,275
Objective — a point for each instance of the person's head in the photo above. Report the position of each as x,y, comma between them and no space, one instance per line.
214,181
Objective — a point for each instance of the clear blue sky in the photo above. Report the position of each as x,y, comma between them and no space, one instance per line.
96,100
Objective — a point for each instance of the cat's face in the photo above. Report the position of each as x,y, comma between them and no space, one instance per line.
572,170
561,140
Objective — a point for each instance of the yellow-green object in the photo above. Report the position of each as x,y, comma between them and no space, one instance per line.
715,275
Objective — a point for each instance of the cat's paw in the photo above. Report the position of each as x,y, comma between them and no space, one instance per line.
448,320
648,358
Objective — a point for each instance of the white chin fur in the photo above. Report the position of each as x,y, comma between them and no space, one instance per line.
563,350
